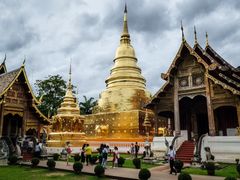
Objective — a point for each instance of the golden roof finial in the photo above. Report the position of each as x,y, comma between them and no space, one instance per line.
125,37
195,35
183,38
207,39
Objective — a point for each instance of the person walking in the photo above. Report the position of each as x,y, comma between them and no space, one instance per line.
88,152
115,157
83,155
37,150
136,149
104,156
69,151
171,158
132,152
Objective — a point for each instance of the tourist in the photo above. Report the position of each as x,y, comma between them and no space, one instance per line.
88,152
104,156
136,149
37,150
132,152
115,157
69,151
100,153
83,156
171,158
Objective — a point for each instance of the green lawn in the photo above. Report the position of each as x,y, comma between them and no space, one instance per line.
228,170
128,162
27,173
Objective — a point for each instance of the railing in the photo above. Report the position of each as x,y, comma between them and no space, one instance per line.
197,154
177,142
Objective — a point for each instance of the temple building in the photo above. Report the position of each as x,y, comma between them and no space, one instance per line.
201,94
19,114
120,111
67,124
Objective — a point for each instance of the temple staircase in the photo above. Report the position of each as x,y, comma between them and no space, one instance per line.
185,152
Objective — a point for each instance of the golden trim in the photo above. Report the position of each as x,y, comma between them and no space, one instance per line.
40,113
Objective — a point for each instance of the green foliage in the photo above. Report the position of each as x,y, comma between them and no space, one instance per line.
86,107
94,159
35,162
184,176
121,161
56,156
210,166
51,164
99,170
52,89
238,169
230,178
12,160
77,167
144,174
178,164
137,163
77,157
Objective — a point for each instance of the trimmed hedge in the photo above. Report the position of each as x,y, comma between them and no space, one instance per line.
77,167
51,164
99,171
137,163
144,174
121,161
12,160
56,156
184,176
35,162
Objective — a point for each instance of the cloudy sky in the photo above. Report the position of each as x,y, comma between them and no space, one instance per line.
51,32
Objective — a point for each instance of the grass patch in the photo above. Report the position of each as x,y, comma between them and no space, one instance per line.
26,173
227,170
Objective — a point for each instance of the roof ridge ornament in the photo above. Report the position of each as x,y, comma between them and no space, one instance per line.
125,37
207,44
24,60
195,36
5,57
183,38
70,74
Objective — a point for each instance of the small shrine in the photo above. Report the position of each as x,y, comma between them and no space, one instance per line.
67,125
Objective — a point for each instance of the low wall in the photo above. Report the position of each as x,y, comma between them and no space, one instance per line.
123,147
224,148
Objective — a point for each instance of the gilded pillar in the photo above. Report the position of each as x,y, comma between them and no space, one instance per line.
176,108
211,122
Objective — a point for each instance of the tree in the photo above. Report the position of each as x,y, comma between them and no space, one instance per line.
86,107
52,89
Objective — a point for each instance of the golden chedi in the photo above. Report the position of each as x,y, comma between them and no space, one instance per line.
67,125
120,113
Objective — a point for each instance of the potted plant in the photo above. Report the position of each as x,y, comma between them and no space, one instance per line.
178,164
121,161
184,176
99,171
35,162
51,164
137,163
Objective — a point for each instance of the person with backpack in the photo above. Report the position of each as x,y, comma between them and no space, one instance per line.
104,156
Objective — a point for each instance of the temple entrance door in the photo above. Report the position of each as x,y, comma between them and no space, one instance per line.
12,125
193,116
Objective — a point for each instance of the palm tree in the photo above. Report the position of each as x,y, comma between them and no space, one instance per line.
86,107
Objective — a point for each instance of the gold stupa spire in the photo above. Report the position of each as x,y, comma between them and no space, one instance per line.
125,37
